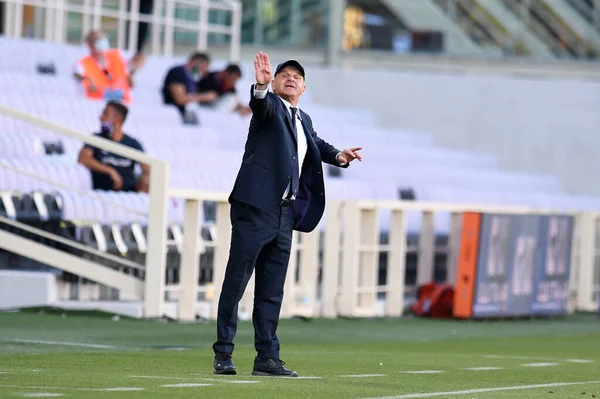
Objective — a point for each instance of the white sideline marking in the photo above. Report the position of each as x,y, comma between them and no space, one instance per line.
483,368
186,385
76,389
515,357
156,377
42,395
305,377
362,375
118,389
30,387
539,364
240,382
485,390
539,358
422,372
65,343
19,371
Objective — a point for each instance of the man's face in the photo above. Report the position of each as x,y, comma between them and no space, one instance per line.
289,82
229,80
110,115
97,41
199,68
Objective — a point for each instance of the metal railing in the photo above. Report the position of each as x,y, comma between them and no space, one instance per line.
157,221
345,282
99,14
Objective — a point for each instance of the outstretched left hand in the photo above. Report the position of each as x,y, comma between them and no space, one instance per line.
349,155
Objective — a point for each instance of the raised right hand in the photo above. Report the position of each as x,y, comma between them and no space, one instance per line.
262,65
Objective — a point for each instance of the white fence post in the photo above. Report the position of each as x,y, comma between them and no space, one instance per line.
156,26
425,262
309,272
330,281
97,19
453,247
86,18
48,24
584,239
350,258
9,18
60,27
289,288
236,31
18,22
203,24
189,267
134,17
169,27
157,234
396,266
121,24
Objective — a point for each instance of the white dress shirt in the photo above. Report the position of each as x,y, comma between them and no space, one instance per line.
301,139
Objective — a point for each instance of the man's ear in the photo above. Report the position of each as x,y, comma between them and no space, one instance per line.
303,90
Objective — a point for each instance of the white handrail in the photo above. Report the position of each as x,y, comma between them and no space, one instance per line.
88,139
430,206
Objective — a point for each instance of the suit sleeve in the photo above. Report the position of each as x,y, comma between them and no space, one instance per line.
261,104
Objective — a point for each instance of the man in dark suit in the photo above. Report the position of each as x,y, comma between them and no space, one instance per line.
279,188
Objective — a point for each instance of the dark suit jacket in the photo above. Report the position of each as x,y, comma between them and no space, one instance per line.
270,156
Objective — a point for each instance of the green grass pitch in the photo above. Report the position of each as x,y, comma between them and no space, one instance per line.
87,355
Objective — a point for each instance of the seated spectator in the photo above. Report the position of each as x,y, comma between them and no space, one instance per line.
223,83
104,72
111,171
179,88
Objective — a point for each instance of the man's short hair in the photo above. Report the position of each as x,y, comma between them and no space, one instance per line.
120,108
201,57
234,69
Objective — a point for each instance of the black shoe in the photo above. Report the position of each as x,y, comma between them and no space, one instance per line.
223,364
271,368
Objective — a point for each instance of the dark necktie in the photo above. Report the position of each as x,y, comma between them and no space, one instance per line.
295,173
294,115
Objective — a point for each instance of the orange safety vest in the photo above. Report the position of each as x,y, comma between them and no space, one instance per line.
118,78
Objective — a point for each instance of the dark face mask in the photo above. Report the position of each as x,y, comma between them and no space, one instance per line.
195,73
107,128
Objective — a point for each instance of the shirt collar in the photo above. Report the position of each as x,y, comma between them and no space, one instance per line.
288,105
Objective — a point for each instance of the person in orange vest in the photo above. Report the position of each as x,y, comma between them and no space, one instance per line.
104,73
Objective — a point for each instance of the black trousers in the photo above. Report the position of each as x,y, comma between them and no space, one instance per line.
260,241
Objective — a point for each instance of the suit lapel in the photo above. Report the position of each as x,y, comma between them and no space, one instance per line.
288,119
290,124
